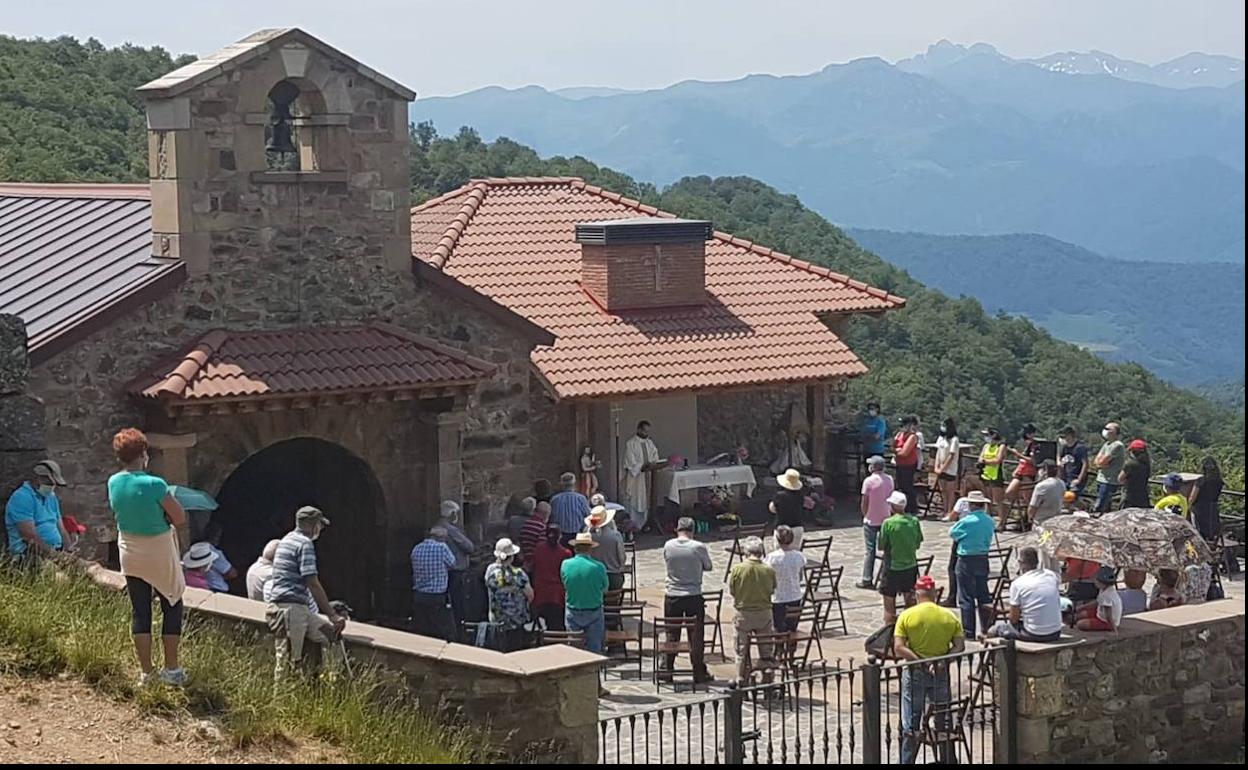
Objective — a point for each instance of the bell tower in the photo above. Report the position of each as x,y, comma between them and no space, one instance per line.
280,150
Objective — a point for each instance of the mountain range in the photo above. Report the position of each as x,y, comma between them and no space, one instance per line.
1183,322
956,140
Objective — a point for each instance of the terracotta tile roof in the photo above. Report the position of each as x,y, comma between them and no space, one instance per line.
74,256
333,360
513,240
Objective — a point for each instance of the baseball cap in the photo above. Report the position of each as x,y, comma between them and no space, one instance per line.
925,583
1107,575
50,469
1138,445
897,498
311,513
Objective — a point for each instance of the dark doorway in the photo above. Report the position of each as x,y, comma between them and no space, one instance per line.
258,503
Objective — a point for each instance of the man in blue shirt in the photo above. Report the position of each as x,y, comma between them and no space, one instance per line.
874,431
32,516
569,509
432,561
974,533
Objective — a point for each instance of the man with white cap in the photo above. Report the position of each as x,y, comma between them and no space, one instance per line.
462,547
788,504
32,516
295,580
899,541
876,489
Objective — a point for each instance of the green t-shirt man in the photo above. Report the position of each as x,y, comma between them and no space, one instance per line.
900,537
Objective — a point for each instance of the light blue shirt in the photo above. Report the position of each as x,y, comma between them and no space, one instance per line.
44,511
974,533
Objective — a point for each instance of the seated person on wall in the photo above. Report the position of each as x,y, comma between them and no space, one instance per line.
1035,613
295,577
1165,591
1104,614
1174,501
32,515
197,564
1134,600
1079,576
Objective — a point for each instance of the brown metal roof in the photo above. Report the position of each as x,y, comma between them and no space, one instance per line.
72,257
232,366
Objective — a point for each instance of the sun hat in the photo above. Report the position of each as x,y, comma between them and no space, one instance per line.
898,498
504,548
975,496
599,516
198,555
790,479
584,539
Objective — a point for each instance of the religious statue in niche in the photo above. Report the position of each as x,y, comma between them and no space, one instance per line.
590,464
791,438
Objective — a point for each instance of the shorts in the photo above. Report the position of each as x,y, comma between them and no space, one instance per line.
992,482
1025,476
901,581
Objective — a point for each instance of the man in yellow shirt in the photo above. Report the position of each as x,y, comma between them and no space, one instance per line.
1174,500
925,630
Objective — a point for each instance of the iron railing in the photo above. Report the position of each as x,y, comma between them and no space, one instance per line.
851,714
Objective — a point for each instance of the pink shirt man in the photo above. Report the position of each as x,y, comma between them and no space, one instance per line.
875,490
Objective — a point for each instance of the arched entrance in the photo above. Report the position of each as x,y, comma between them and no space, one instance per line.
259,499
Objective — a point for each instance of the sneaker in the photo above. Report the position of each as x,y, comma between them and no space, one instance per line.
864,584
175,677
146,678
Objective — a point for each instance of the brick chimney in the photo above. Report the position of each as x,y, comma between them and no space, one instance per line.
646,262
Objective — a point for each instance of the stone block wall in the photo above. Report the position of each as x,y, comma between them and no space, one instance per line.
22,436
1168,688
749,418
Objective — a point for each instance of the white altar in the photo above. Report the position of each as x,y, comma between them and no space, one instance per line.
672,481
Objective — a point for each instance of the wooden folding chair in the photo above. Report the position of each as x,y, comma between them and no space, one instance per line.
956,716
630,571
673,637
817,550
629,622
809,619
713,602
571,638
766,653
823,584
924,563
742,533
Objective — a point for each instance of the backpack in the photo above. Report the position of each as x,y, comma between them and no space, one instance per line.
879,644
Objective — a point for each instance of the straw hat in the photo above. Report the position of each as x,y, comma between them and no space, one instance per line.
504,548
585,540
790,479
198,555
975,496
599,516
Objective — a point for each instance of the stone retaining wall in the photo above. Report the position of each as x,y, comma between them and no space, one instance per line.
1169,687
538,705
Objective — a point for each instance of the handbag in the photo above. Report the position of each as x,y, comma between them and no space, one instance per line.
880,643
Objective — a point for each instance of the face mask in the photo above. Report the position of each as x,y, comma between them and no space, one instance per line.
1105,433
46,489
872,413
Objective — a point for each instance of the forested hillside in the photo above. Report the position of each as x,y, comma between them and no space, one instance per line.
1192,334
68,111
939,356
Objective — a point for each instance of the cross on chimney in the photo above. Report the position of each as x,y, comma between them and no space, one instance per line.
657,263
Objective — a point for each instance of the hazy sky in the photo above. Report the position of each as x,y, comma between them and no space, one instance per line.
450,46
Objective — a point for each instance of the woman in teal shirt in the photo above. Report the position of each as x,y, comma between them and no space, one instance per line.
147,514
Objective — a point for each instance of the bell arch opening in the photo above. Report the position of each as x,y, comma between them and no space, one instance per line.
257,502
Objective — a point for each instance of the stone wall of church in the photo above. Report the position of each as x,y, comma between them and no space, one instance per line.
22,439
83,387
552,436
748,418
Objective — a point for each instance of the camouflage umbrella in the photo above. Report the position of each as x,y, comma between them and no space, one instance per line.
1133,538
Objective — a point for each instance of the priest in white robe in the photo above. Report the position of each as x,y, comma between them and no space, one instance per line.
641,457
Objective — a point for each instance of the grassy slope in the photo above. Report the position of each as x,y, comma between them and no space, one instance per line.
52,624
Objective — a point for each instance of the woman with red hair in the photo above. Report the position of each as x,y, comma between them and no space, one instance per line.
147,514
